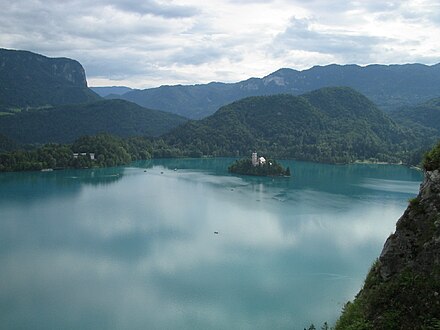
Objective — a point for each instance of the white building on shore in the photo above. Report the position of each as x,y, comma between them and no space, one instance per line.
84,154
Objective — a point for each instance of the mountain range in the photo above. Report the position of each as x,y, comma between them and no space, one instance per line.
388,86
330,124
111,90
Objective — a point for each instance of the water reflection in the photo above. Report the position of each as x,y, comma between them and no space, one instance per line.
142,253
32,187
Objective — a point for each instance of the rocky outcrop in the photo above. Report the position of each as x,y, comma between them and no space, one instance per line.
71,71
402,289
32,80
415,245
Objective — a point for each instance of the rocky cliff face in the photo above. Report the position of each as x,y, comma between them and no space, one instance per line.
70,71
415,245
31,80
402,289
27,64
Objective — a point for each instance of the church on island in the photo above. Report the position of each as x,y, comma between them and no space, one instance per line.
258,166
257,161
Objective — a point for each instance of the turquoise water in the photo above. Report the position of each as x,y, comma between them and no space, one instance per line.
134,247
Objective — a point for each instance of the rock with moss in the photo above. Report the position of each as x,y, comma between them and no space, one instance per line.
431,161
402,289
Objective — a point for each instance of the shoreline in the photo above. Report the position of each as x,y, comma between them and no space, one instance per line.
356,162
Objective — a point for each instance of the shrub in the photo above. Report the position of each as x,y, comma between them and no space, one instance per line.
431,160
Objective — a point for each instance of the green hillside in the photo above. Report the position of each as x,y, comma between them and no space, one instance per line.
388,86
7,144
327,125
64,124
32,80
426,115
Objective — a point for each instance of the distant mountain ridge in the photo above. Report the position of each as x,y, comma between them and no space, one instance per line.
32,80
335,125
111,90
388,86
47,100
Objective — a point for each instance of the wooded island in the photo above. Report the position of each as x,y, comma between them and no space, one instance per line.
258,166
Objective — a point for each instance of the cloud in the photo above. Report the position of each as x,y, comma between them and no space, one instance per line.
323,8
149,7
153,42
300,35
196,55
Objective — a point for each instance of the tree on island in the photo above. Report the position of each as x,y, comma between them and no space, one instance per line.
267,167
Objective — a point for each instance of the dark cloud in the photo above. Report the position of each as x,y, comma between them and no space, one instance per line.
84,7
113,39
197,55
248,2
152,7
340,6
207,51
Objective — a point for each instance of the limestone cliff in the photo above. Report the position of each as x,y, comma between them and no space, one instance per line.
402,289
416,243
32,80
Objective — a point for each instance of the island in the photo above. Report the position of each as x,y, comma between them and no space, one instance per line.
258,166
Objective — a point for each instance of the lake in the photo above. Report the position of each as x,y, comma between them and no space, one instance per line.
134,247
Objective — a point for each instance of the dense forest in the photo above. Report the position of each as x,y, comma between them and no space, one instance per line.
7,144
64,124
425,116
107,150
334,125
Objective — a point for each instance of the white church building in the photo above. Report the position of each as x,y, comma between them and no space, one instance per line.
257,161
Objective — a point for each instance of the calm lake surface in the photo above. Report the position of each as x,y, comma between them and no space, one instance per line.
134,247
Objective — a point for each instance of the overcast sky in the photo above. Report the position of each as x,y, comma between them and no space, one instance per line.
147,43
